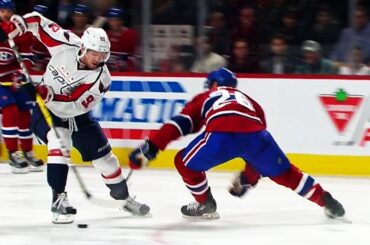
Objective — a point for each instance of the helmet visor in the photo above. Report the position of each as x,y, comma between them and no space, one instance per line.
97,56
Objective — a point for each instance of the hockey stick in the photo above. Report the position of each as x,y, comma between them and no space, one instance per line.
49,121
100,202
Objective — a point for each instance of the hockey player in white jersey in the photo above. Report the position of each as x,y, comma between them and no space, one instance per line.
75,80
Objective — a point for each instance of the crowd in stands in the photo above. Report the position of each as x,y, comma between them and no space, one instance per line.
247,36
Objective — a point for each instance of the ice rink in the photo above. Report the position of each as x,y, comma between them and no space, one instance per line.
270,214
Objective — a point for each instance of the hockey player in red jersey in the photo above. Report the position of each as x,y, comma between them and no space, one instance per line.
14,100
235,126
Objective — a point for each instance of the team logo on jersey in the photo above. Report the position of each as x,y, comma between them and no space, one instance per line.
350,116
6,56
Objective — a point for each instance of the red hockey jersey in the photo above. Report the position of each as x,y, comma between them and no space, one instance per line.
223,109
8,61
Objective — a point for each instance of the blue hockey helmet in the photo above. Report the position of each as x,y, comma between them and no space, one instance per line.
7,4
223,77
115,13
42,9
81,9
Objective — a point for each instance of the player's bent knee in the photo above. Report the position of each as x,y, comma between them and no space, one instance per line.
179,163
112,175
290,178
107,165
54,141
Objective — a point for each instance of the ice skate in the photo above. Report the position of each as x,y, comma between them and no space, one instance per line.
135,208
196,210
18,163
63,212
332,208
35,164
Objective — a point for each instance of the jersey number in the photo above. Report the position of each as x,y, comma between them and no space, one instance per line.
87,101
227,98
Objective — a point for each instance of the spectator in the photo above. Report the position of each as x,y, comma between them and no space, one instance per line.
219,35
290,30
241,59
101,7
174,61
64,13
313,63
42,9
80,19
357,35
231,8
246,28
325,30
207,60
279,62
123,41
356,66
270,17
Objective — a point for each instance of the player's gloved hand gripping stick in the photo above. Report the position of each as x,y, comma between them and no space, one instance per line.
140,156
49,120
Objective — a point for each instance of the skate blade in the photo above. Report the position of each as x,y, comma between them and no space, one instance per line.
208,216
20,170
132,215
63,218
342,219
36,169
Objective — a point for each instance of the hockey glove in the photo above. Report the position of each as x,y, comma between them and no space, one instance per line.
141,155
19,26
18,79
46,93
240,186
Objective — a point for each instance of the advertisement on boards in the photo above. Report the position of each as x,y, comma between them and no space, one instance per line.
320,122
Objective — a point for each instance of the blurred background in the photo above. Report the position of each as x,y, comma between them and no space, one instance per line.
247,36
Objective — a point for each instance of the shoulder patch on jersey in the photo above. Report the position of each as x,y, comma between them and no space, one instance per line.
102,89
66,35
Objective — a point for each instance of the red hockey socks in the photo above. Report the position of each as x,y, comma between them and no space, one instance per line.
251,175
301,183
10,128
196,182
24,132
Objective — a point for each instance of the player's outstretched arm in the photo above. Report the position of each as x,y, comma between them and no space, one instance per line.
141,155
186,122
50,33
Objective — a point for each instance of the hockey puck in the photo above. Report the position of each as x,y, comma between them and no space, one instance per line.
82,225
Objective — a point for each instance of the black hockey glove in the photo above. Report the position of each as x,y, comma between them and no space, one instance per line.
240,186
141,155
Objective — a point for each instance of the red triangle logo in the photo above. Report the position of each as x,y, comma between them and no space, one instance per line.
340,112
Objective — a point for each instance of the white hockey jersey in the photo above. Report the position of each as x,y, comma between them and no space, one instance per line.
76,90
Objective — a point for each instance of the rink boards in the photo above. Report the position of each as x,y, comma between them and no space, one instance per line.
323,123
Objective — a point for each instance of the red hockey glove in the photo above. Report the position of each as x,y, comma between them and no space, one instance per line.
18,78
240,186
141,155
19,26
46,92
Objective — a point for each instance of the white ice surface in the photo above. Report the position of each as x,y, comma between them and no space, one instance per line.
270,214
